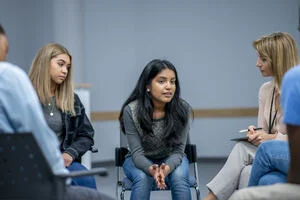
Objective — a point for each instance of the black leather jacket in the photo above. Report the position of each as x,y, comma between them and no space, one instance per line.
78,131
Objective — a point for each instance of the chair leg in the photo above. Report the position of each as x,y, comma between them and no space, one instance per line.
122,194
117,191
197,190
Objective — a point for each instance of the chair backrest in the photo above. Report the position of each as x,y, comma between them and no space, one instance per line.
25,173
120,152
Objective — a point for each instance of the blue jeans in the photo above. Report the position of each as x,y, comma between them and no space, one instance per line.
271,163
177,180
86,181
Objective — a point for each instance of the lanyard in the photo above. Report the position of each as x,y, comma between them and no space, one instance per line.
271,121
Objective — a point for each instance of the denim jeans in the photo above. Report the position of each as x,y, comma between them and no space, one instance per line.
86,181
142,183
270,164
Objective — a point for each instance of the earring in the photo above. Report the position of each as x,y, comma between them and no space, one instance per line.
148,90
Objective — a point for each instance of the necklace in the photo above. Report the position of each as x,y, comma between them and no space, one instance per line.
51,107
271,121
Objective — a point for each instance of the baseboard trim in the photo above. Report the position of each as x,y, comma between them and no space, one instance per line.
198,113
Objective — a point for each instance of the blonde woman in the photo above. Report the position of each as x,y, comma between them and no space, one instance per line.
51,76
276,54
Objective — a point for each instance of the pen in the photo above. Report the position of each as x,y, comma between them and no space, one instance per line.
246,130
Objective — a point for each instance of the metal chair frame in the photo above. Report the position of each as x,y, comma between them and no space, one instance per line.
120,153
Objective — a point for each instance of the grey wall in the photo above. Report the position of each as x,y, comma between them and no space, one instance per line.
209,41
28,25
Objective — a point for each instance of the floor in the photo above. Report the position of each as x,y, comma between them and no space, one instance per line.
207,169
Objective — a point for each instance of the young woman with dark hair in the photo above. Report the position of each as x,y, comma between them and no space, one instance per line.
156,122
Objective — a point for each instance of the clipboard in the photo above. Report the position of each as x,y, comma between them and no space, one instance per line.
243,138
238,139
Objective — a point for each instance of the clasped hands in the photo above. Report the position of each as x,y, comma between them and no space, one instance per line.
256,137
159,173
67,159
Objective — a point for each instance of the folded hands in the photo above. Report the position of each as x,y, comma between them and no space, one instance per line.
159,173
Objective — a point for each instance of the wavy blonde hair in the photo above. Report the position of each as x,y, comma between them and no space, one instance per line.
39,75
280,50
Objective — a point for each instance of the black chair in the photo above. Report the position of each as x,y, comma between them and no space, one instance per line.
26,174
93,149
124,184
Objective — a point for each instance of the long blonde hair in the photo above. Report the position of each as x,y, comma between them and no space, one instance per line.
279,49
39,75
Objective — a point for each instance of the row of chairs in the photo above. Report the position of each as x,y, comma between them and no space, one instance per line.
26,174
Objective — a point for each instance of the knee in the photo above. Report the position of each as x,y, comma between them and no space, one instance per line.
180,174
178,179
268,147
142,181
76,166
262,151
272,178
88,180
240,146
142,178
268,144
271,144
